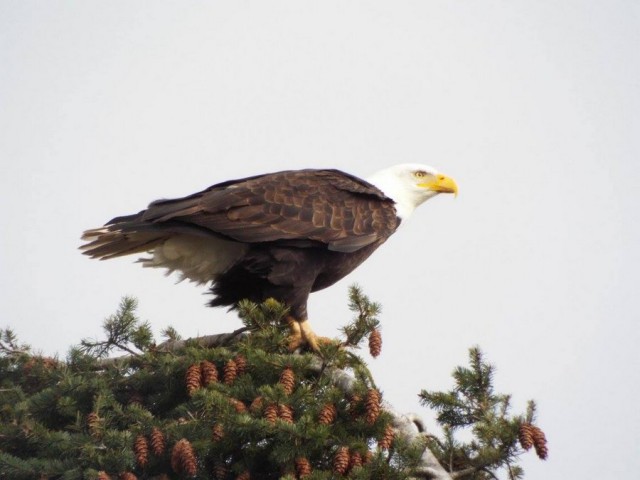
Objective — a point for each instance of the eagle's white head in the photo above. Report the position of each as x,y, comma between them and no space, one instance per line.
411,184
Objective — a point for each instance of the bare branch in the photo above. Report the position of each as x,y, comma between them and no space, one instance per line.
170,346
464,472
207,341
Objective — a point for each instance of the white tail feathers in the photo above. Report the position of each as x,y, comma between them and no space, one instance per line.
195,258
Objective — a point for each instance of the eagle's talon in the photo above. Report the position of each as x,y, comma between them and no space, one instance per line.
302,336
295,342
296,339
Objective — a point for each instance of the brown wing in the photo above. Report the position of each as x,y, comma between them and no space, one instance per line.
300,207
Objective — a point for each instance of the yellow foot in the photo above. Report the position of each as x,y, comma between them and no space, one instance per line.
302,335
296,340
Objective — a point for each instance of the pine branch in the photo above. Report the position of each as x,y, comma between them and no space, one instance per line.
9,345
366,317
473,404
123,329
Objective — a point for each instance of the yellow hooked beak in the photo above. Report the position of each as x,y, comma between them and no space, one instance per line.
440,183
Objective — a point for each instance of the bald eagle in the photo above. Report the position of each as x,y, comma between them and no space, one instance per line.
280,235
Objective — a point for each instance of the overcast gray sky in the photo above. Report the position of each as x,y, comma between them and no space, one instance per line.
532,106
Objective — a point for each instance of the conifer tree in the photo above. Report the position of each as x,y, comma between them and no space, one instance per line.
229,406
498,438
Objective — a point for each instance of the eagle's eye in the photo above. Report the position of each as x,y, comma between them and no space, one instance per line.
420,174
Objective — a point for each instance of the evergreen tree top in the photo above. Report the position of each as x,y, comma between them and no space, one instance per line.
240,405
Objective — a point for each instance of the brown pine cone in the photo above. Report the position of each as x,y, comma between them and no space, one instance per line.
183,460
355,460
328,414
176,454
372,405
193,379
303,467
94,424
209,372
256,405
341,461
271,413
354,405
49,363
230,372
157,442
217,432
219,471
127,476
287,380
368,456
244,476
102,475
141,450
238,405
540,443
386,440
241,363
136,398
285,413
46,363
375,343
28,366
526,435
